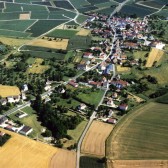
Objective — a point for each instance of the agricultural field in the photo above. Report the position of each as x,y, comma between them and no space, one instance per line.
83,32
137,9
152,4
94,141
60,33
6,91
154,55
63,158
25,152
37,68
91,162
121,69
53,43
139,134
137,164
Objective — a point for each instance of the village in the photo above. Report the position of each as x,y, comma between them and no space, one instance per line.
116,37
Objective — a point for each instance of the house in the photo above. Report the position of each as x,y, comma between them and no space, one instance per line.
108,69
21,114
112,121
73,83
3,119
47,87
119,83
87,55
102,66
96,84
13,99
23,96
82,106
110,102
10,128
25,88
26,130
2,134
83,67
123,107
3,101
115,95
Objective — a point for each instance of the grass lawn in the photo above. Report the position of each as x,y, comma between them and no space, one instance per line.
140,54
72,104
30,120
141,135
76,133
93,98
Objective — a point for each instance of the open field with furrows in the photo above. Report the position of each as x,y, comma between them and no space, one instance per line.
94,141
83,32
140,135
24,16
137,164
154,55
21,151
63,159
6,91
56,44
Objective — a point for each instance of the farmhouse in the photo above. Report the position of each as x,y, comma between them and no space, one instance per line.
96,84
26,130
119,83
123,107
73,83
87,55
112,121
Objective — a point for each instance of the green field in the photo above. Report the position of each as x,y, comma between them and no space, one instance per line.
93,98
163,99
141,134
30,120
62,33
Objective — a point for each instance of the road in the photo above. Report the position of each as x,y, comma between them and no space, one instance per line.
16,109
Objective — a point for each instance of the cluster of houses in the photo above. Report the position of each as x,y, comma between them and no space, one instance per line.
11,126
14,94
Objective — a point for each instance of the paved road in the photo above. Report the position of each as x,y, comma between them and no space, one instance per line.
16,109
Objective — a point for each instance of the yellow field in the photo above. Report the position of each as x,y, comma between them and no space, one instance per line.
24,16
6,91
59,44
154,55
37,68
137,163
22,152
122,69
83,32
13,41
63,159
94,141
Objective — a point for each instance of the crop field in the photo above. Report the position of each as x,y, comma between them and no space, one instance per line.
153,4
94,141
106,11
137,9
56,44
63,4
6,91
106,4
141,135
63,158
43,28
16,25
81,18
25,152
154,55
121,69
79,3
93,2
91,162
61,33
137,164
83,32
24,16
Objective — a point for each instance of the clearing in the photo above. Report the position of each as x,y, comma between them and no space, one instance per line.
50,43
6,91
154,55
94,141
141,135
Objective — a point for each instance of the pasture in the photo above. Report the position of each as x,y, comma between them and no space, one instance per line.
140,135
94,141
53,43
154,55
21,151
6,91
121,69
